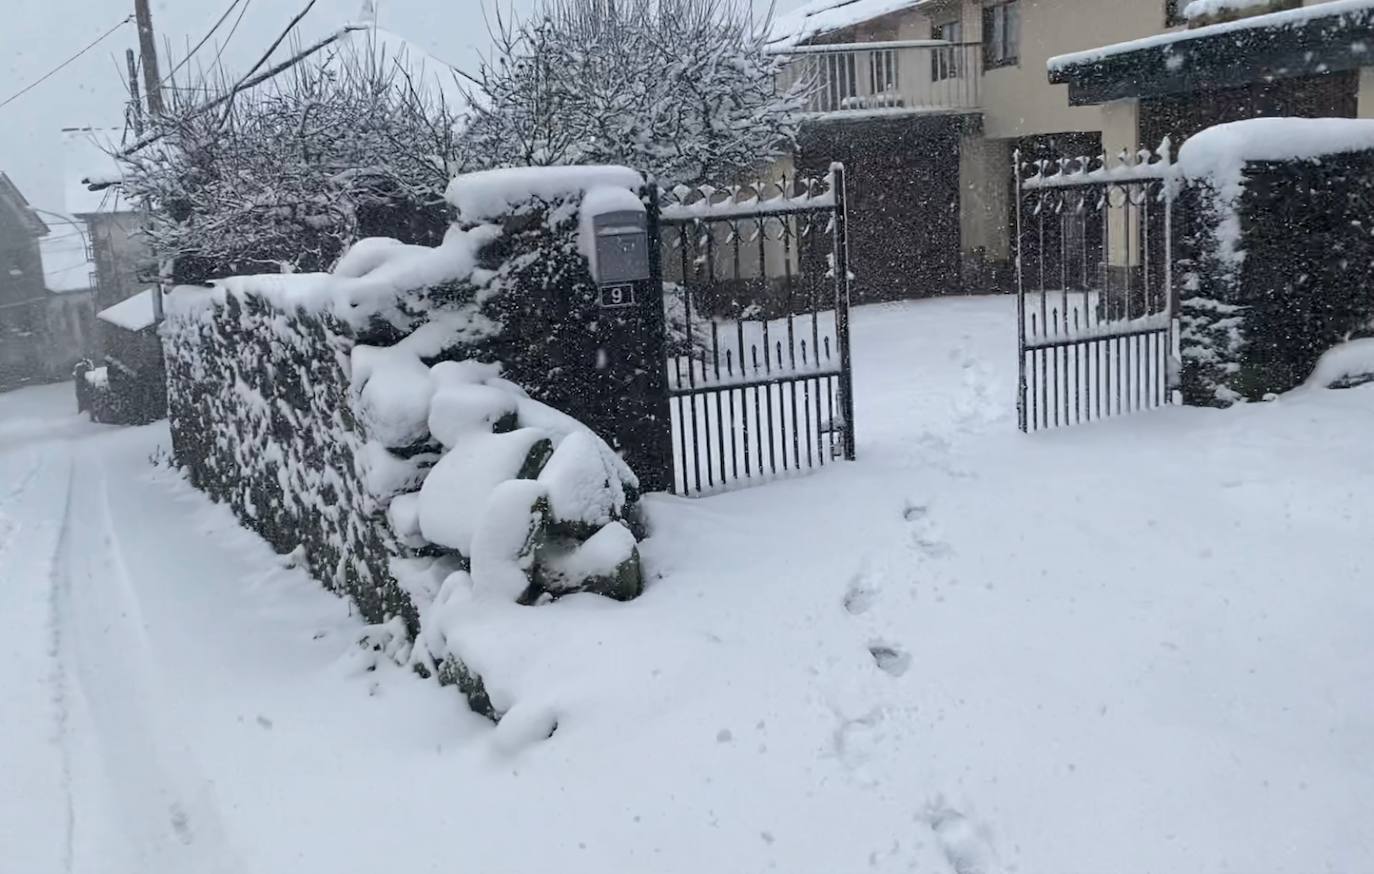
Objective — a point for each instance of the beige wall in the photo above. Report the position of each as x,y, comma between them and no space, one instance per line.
1018,100
984,199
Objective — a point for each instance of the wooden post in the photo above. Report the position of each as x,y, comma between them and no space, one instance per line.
135,103
147,44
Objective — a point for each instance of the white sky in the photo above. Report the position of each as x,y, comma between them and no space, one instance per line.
36,35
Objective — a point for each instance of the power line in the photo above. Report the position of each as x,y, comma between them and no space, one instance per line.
203,41
55,70
233,30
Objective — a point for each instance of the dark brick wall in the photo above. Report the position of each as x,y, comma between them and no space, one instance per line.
904,231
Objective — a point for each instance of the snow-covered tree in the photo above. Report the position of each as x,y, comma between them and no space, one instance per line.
683,89
286,175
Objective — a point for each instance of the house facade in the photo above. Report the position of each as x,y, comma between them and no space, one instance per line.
45,304
926,101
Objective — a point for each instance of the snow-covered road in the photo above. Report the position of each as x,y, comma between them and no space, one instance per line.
1140,646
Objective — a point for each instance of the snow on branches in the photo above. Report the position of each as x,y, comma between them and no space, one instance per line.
284,176
683,89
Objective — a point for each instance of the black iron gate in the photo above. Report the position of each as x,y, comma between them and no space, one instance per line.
1094,287
756,293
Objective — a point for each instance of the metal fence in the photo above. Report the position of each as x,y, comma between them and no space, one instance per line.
757,300
1094,287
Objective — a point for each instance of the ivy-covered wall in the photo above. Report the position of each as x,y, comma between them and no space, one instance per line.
1278,267
259,405
422,426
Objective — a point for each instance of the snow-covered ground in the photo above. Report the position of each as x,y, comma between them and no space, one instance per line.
1137,646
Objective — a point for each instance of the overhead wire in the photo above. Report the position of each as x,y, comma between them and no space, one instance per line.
60,67
203,40
233,30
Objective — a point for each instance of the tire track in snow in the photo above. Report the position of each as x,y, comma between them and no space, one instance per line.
9,524
58,596
143,800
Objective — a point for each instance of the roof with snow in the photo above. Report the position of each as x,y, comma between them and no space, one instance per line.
13,199
131,314
431,75
1311,40
821,17
66,265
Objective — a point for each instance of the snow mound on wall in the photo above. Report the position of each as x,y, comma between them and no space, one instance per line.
1221,151
491,194
1344,366
372,280
1201,9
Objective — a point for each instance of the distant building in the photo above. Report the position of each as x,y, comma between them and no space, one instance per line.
43,331
117,249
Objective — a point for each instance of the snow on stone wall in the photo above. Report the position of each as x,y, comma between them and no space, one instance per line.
362,419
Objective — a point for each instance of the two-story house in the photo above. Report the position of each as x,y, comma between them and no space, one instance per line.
21,286
927,100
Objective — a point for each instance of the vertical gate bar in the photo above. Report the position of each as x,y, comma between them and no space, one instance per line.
734,428
1021,386
691,368
782,411
768,405
1145,248
758,408
1077,367
846,386
743,398
1170,192
806,397
720,400
1064,297
1040,260
830,388
1054,370
706,422
1034,379
681,425
1130,234
825,429
791,335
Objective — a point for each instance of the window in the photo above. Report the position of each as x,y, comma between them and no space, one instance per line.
945,60
1001,34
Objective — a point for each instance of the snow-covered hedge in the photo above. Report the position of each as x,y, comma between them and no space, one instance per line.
396,420
1279,257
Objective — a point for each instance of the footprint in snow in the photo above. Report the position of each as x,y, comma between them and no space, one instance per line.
925,534
859,598
966,846
889,658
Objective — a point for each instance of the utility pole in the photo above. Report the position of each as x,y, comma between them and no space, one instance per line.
152,91
135,104
147,45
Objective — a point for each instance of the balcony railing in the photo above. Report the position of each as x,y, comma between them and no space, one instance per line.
886,77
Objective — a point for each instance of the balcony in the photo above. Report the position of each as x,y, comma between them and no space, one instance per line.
885,78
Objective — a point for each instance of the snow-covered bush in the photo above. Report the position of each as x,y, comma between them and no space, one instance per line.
284,176
392,422
1279,259
682,89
